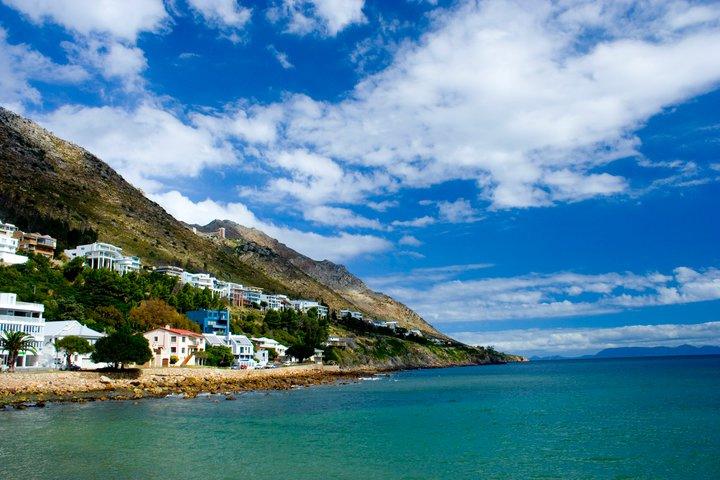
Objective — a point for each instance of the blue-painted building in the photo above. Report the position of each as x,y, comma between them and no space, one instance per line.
211,321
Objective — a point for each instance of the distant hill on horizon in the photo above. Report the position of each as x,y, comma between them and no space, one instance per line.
629,352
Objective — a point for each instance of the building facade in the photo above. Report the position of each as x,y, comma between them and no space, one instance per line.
174,347
54,331
9,245
211,321
104,255
305,305
36,243
23,317
240,345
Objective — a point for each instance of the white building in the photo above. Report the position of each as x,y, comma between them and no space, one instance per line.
104,255
350,313
270,344
305,305
240,345
170,271
23,317
262,358
276,302
252,295
198,280
9,245
168,344
54,358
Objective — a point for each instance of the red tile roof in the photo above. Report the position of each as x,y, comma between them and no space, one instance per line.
180,331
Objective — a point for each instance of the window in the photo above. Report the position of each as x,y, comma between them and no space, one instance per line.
184,339
173,349
173,339
155,339
182,349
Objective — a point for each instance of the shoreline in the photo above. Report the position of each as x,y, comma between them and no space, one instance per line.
21,390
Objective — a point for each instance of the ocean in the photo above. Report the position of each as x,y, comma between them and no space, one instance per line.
648,418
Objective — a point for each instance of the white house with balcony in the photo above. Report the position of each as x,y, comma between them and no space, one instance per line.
240,345
104,255
305,305
174,347
270,344
23,317
53,358
198,280
9,245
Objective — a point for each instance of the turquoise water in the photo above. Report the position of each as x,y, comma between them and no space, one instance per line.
639,418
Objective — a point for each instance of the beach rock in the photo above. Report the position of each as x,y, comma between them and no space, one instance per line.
231,397
104,379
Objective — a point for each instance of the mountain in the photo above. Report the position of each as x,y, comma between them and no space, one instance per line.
334,283
658,351
53,186
628,352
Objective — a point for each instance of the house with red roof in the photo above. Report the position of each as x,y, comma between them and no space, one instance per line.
174,347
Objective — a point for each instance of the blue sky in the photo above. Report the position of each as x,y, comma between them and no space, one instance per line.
543,177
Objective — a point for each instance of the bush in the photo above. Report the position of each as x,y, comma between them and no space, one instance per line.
173,359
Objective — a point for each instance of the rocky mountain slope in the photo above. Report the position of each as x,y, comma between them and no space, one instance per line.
53,186
313,277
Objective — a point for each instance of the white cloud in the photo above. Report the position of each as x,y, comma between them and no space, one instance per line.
112,59
565,294
105,32
325,17
144,143
579,341
120,19
531,103
20,65
415,222
338,248
281,57
228,16
340,217
410,241
459,211
387,204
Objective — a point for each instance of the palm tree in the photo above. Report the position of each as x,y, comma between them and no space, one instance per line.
14,343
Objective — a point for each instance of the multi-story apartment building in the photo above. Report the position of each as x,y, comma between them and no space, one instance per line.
104,255
36,243
211,321
23,317
9,245
171,271
252,295
198,280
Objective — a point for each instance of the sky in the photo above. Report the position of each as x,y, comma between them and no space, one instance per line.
539,176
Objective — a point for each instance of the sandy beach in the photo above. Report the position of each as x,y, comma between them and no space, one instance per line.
23,389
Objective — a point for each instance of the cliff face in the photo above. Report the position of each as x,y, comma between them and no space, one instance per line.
50,185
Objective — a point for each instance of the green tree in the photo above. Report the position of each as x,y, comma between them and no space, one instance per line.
73,268
73,344
273,320
14,343
218,356
122,347
107,317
